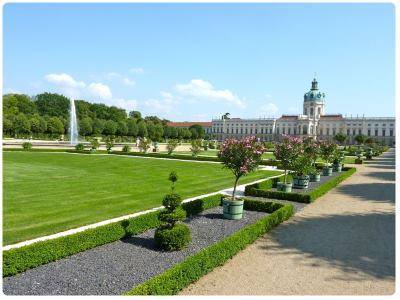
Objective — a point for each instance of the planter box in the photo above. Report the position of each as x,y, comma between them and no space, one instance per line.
337,168
327,171
301,182
233,210
284,187
315,177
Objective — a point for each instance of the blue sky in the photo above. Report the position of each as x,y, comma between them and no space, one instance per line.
195,61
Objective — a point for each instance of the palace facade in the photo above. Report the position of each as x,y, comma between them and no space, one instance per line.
314,122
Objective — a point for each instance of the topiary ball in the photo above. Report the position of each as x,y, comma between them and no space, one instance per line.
172,201
174,238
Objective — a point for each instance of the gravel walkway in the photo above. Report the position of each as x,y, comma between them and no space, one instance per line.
117,267
342,244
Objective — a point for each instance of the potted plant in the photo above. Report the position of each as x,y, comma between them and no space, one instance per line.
327,153
302,166
337,161
312,149
144,145
287,152
241,157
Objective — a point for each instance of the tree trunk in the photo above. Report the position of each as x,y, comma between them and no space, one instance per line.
234,188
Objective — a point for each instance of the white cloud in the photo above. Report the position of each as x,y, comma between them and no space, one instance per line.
137,70
100,90
159,105
166,95
12,91
270,108
199,88
64,80
128,105
128,81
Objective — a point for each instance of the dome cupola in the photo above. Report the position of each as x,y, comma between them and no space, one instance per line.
314,94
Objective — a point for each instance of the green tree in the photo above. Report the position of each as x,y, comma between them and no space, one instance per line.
122,128
22,125
53,105
98,126
35,124
110,127
199,131
132,127
340,138
55,126
142,129
135,115
86,126
158,132
8,126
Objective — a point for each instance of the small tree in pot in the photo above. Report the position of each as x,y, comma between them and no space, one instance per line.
241,157
171,234
312,150
302,166
327,152
287,152
94,145
109,144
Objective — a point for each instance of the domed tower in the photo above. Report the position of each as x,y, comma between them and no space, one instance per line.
314,102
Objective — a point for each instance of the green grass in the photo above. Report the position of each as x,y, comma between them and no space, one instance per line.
213,153
45,193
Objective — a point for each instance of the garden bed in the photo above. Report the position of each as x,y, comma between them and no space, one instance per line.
115,268
267,188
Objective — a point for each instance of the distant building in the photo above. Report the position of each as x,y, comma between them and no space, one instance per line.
207,126
312,123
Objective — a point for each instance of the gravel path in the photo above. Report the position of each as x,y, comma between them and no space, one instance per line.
342,244
117,267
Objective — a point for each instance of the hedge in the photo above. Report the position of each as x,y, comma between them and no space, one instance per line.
21,259
53,150
194,267
262,189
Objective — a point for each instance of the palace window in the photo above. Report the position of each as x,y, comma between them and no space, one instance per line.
391,132
319,110
376,132
311,111
241,130
348,131
255,131
354,132
304,129
383,132
246,130
369,132
327,131
359,131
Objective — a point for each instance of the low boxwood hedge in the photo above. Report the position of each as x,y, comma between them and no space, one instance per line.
21,259
262,189
194,267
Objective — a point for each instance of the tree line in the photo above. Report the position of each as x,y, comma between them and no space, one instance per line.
46,116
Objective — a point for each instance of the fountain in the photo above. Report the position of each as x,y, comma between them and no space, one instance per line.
73,124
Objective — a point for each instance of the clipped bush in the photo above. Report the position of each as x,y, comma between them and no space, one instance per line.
109,144
126,148
196,147
26,146
174,238
79,147
171,145
170,236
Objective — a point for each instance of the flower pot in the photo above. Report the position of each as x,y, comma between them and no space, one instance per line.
284,187
337,168
315,177
327,171
301,182
233,210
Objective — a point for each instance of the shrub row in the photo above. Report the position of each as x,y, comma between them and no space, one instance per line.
194,267
262,189
21,259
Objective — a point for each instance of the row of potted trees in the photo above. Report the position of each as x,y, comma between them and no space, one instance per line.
300,157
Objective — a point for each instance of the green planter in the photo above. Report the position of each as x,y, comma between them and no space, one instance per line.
284,187
301,182
337,168
315,177
327,171
233,210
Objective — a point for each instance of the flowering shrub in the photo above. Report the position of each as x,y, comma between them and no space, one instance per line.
241,157
287,152
327,151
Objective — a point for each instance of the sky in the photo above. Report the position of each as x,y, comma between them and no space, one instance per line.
197,61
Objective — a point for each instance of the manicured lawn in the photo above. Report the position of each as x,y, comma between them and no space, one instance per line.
46,193
266,155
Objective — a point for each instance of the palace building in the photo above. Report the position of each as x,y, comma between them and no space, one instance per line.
314,122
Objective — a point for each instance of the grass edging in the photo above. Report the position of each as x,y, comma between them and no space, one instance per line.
262,189
194,267
18,260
